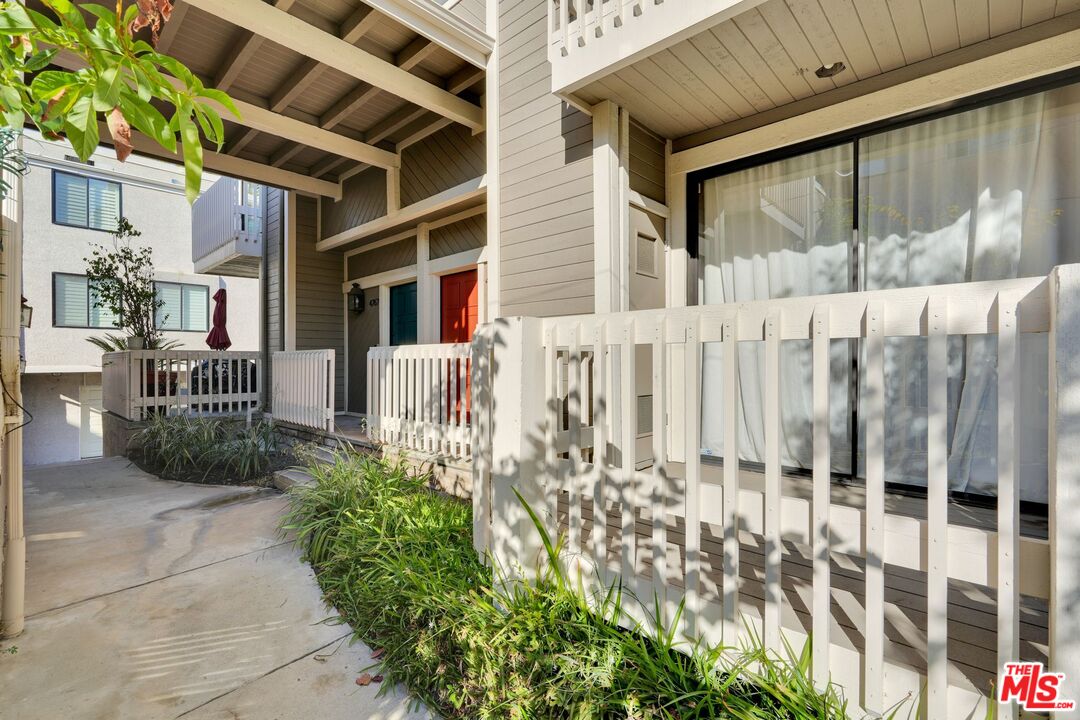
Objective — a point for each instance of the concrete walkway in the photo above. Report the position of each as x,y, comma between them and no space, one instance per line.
153,599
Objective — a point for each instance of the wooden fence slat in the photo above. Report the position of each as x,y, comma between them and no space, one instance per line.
692,410
874,410
659,462
628,496
731,480
575,409
600,398
937,507
773,592
551,426
1008,491
822,479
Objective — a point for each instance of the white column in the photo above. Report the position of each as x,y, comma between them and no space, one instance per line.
491,135
517,433
290,270
678,258
393,189
1064,471
607,215
426,295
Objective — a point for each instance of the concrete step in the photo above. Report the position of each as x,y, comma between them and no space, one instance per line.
285,479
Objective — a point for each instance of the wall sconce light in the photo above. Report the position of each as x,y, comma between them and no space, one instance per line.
356,299
26,314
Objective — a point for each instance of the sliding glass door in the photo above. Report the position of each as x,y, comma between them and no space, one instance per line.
986,194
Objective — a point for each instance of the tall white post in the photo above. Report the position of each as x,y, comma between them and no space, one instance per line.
517,446
1064,471
607,215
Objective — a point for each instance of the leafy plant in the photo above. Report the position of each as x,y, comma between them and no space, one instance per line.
247,455
397,562
117,80
123,280
12,159
114,343
181,446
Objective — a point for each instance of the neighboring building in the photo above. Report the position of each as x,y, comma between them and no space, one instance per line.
69,208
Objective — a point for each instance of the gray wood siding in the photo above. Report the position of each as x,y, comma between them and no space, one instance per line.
320,303
272,274
545,173
363,334
439,162
647,173
471,11
467,234
363,198
387,257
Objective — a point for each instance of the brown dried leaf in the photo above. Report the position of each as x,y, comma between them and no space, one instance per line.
377,678
376,654
121,134
364,680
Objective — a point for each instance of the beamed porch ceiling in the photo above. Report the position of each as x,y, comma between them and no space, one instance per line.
326,88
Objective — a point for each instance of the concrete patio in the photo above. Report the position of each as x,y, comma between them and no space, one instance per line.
153,599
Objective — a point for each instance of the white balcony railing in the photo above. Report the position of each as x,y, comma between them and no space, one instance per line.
139,383
418,398
555,414
227,229
591,38
303,388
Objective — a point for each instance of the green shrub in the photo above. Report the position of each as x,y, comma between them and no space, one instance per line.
397,562
180,446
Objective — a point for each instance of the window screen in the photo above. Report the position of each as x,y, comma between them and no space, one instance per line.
185,307
74,304
86,202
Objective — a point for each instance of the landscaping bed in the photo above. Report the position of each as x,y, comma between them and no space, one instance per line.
213,451
397,561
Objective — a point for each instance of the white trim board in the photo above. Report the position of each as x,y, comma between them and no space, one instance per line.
429,209
1008,67
396,276
439,25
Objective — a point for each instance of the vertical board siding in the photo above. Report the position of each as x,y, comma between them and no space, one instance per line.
647,173
471,11
363,335
320,322
467,234
363,198
272,284
439,162
545,170
388,257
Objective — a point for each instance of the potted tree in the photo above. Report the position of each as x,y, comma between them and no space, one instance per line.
123,279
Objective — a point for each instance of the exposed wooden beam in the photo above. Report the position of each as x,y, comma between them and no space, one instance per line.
394,122
351,30
464,78
439,25
430,129
407,59
285,153
461,80
238,167
172,27
278,26
243,49
241,142
325,165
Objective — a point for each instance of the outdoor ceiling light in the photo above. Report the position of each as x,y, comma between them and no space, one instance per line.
356,299
830,70
26,314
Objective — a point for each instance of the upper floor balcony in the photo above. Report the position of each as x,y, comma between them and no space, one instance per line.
591,38
227,229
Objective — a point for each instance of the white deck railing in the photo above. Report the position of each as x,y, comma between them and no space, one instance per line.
226,227
418,398
303,388
554,407
589,38
139,383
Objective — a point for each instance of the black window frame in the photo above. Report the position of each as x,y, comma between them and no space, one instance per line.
852,136
87,178
89,306
182,285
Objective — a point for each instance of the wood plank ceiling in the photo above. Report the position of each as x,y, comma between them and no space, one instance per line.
766,57
267,75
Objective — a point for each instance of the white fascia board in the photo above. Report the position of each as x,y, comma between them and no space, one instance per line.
441,26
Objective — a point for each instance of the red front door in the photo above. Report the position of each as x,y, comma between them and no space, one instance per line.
459,307
459,315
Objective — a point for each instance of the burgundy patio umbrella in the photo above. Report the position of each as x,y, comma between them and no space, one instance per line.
218,339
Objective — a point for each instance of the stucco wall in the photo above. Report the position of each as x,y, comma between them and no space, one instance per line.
53,399
154,202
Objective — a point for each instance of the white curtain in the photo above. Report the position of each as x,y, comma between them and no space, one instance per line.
987,194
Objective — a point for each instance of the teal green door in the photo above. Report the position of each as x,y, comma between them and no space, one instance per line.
403,314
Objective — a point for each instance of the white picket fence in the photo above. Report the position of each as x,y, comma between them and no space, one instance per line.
555,416
418,398
303,388
139,383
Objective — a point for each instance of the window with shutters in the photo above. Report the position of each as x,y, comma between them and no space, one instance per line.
86,202
185,307
75,304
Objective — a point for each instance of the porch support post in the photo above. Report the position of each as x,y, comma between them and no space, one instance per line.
426,299
678,264
1064,471
517,445
607,215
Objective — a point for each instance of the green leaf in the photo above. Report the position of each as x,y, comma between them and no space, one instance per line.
47,85
82,127
107,89
41,59
193,153
101,12
14,20
221,98
145,118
